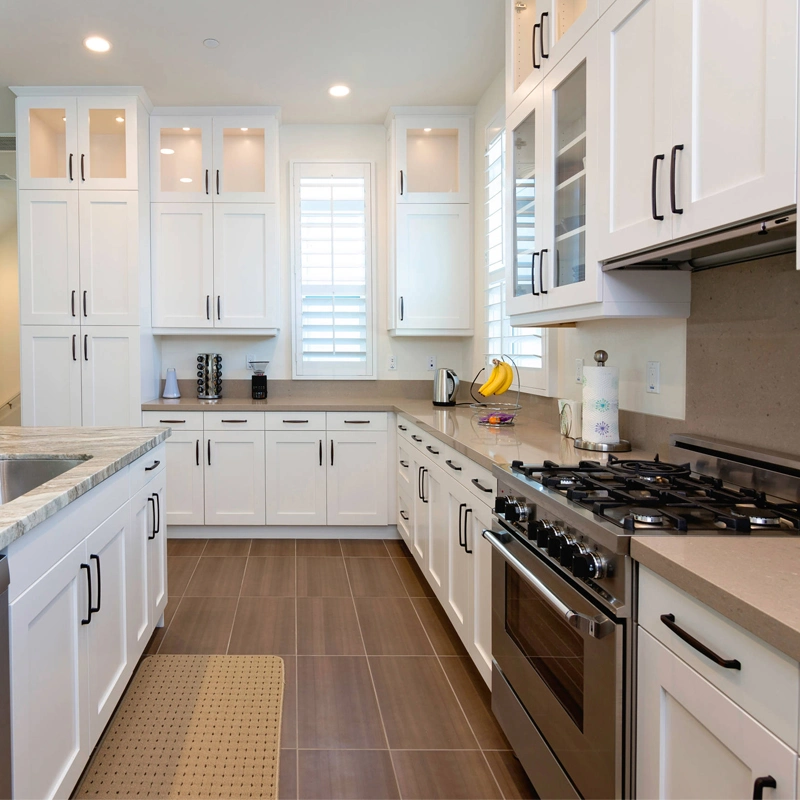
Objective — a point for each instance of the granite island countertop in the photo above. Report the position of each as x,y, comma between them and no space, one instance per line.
753,581
105,450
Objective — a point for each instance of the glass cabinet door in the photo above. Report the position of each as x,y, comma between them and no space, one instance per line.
47,140
244,160
432,160
107,143
180,159
525,32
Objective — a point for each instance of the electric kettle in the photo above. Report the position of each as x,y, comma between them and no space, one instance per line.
445,386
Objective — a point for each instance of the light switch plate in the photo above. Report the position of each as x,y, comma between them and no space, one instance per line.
578,370
392,363
431,363
654,377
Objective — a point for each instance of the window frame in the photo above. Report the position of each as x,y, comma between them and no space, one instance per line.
371,250
541,381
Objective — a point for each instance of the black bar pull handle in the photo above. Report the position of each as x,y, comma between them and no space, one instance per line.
238,421
296,421
452,465
431,450
533,274
152,534
320,452
477,483
672,191
727,663
197,452
533,45
86,347
541,34
173,421
95,609
653,198
83,174
72,303
466,540
70,166
404,464
541,272
208,306
219,305
416,438
331,452
74,341
206,181
357,421
151,468
766,782
217,181
157,517
209,452
424,473
461,507
402,309
89,603
404,515
84,303
401,183
402,427
419,482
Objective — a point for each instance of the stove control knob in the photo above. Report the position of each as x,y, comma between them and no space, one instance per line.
543,532
512,510
555,540
535,526
500,503
569,550
589,565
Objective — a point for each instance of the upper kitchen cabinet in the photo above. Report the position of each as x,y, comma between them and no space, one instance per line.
84,142
430,221
697,119
214,159
538,34
432,156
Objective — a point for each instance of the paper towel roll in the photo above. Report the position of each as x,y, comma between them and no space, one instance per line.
600,405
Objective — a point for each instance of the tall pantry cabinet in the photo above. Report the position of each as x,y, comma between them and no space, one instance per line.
87,356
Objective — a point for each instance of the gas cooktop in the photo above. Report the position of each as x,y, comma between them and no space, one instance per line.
657,497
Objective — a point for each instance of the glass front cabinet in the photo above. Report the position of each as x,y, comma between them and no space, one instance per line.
214,159
77,142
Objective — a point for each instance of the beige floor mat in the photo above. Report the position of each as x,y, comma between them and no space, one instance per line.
193,727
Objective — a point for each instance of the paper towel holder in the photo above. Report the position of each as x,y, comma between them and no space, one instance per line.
623,445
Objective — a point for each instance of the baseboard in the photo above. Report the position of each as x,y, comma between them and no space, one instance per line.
282,532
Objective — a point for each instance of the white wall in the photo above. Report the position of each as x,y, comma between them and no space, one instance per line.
320,143
9,282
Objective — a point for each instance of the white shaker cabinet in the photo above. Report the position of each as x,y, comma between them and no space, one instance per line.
437,503
480,641
296,477
50,375
358,478
457,602
693,741
180,159
157,546
185,474
235,478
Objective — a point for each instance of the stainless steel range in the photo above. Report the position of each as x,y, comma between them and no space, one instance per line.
563,589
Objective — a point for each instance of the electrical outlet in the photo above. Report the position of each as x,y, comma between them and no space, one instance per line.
431,363
654,377
247,360
392,363
578,370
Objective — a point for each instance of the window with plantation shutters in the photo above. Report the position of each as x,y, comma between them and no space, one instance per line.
524,345
333,266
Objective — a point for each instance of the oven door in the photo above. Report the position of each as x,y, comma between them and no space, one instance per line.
563,658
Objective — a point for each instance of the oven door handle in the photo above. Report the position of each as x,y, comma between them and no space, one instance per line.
597,627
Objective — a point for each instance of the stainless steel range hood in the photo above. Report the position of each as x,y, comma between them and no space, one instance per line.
746,241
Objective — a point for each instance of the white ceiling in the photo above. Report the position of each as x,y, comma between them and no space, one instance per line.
272,52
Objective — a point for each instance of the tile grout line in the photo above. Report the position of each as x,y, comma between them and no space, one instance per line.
180,599
158,649
238,600
372,681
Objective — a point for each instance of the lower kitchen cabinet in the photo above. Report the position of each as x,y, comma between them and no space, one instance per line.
457,602
296,478
422,524
358,478
437,505
186,477
235,478
693,741
480,643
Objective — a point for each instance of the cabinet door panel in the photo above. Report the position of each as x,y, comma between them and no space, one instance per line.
109,236
180,159
693,742
434,266
421,516
634,62
138,590
110,661
734,109
49,681
296,481
480,644
110,376
50,375
235,478
47,143
182,265
358,481
107,143
459,564
157,557
185,463
49,253
437,494
245,159
246,265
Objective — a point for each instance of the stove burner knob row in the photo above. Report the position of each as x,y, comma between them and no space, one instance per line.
555,540
589,565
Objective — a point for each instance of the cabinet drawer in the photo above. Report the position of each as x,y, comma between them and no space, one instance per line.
404,468
295,421
768,683
356,421
148,466
405,428
177,419
470,475
233,421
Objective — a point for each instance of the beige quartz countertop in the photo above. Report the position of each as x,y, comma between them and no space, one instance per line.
753,581
529,440
108,451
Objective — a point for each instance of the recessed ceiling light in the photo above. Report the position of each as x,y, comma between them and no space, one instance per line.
187,129
244,129
97,44
340,90
63,119
212,43
166,151
186,180
120,119
427,130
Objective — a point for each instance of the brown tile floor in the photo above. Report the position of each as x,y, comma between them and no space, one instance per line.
381,698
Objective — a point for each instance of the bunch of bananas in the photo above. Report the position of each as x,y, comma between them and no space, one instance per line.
501,378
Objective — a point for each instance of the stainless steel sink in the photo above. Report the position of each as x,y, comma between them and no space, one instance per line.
20,475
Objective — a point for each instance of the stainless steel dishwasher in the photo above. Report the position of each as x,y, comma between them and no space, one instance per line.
5,687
